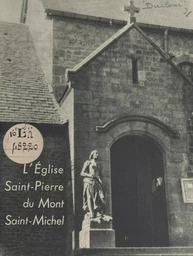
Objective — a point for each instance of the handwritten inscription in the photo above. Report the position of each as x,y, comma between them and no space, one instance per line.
187,12
167,4
21,132
149,5
23,143
24,146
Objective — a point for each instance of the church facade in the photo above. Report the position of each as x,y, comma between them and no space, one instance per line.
137,125
126,94
126,90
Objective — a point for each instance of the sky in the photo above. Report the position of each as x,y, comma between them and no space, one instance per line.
175,13
10,10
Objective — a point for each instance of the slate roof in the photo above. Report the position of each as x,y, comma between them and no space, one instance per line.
24,94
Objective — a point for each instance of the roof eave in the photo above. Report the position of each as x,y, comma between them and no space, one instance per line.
53,12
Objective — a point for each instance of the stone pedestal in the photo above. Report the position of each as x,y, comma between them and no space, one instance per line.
96,235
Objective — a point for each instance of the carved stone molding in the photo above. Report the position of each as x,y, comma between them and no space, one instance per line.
145,119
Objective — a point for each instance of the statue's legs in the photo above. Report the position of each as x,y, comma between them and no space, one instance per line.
90,201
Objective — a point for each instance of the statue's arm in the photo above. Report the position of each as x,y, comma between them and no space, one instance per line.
99,177
85,172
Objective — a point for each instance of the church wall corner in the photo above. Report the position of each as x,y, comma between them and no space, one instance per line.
41,29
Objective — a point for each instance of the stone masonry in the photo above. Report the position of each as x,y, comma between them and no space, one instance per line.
103,91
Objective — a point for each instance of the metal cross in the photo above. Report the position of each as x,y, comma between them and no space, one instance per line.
132,10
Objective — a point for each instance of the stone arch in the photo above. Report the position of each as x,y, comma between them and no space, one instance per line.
167,139
183,58
144,125
163,146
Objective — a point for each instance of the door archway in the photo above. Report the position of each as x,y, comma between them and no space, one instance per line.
138,192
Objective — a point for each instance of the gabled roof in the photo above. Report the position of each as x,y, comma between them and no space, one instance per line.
101,48
114,38
24,94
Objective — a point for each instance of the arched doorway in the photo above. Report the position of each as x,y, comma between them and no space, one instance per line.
138,192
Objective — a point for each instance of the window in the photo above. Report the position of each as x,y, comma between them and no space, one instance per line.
187,68
134,71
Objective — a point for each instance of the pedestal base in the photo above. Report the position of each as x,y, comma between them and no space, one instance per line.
96,235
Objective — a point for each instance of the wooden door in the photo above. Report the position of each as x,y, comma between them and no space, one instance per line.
139,205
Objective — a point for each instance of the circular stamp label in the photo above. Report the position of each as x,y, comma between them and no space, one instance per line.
23,143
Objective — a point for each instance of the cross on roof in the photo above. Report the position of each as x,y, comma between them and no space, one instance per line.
132,10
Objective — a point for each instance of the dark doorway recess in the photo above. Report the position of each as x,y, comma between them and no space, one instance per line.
138,193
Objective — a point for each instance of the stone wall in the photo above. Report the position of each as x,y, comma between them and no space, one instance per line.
178,41
67,114
103,91
188,101
73,41
10,11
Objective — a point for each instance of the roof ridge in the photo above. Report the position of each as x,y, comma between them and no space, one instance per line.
100,49
115,37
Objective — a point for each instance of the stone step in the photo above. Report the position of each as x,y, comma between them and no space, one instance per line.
136,251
